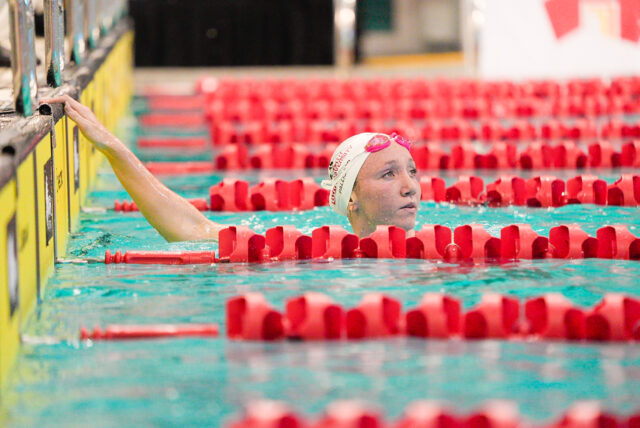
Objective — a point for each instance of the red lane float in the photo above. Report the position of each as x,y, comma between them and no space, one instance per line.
591,414
333,242
586,189
506,190
315,316
232,157
501,156
271,195
432,242
387,242
552,316
305,193
616,242
602,154
426,414
250,317
229,195
625,191
615,318
475,243
567,155
241,244
519,241
151,331
571,242
545,191
287,243
466,190
437,316
268,414
376,316
495,317
433,189
349,414
630,155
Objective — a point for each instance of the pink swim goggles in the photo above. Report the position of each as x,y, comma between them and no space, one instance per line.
381,141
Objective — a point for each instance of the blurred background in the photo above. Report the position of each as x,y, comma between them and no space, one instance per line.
281,32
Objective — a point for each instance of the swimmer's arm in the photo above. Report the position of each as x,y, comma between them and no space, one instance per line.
170,214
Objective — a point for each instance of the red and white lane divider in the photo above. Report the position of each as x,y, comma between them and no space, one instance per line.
303,194
425,414
468,243
272,195
279,127
428,157
315,316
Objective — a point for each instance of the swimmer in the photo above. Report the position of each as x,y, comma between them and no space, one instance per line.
372,180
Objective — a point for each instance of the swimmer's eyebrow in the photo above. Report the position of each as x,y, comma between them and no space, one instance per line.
394,162
388,164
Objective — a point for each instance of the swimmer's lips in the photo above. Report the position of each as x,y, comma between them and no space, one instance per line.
410,207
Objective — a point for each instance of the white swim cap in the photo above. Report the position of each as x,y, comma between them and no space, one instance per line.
344,168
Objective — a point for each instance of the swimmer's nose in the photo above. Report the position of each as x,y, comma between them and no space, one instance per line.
409,186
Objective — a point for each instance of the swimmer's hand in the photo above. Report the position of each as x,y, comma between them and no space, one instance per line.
89,124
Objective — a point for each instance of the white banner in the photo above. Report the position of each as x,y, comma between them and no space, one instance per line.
522,39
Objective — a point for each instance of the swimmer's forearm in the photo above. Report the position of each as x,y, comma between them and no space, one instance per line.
169,213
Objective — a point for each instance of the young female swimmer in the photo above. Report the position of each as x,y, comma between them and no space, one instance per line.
372,180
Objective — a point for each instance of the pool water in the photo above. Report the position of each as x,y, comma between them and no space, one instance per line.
59,380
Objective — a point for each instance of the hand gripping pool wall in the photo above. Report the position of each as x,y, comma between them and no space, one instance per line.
46,169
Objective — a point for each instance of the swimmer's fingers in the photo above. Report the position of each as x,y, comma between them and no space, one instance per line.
67,101
76,116
60,99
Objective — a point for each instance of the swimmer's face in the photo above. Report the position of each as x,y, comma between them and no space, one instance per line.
387,191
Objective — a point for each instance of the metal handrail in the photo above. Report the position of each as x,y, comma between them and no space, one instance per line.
91,27
23,56
75,30
54,41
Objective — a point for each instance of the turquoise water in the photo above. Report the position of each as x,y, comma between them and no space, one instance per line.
59,380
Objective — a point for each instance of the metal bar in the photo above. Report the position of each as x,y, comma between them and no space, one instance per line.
75,29
54,41
111,11
91,28
23,56
106,16
344,40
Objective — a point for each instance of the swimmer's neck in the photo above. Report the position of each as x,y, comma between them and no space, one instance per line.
363,232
